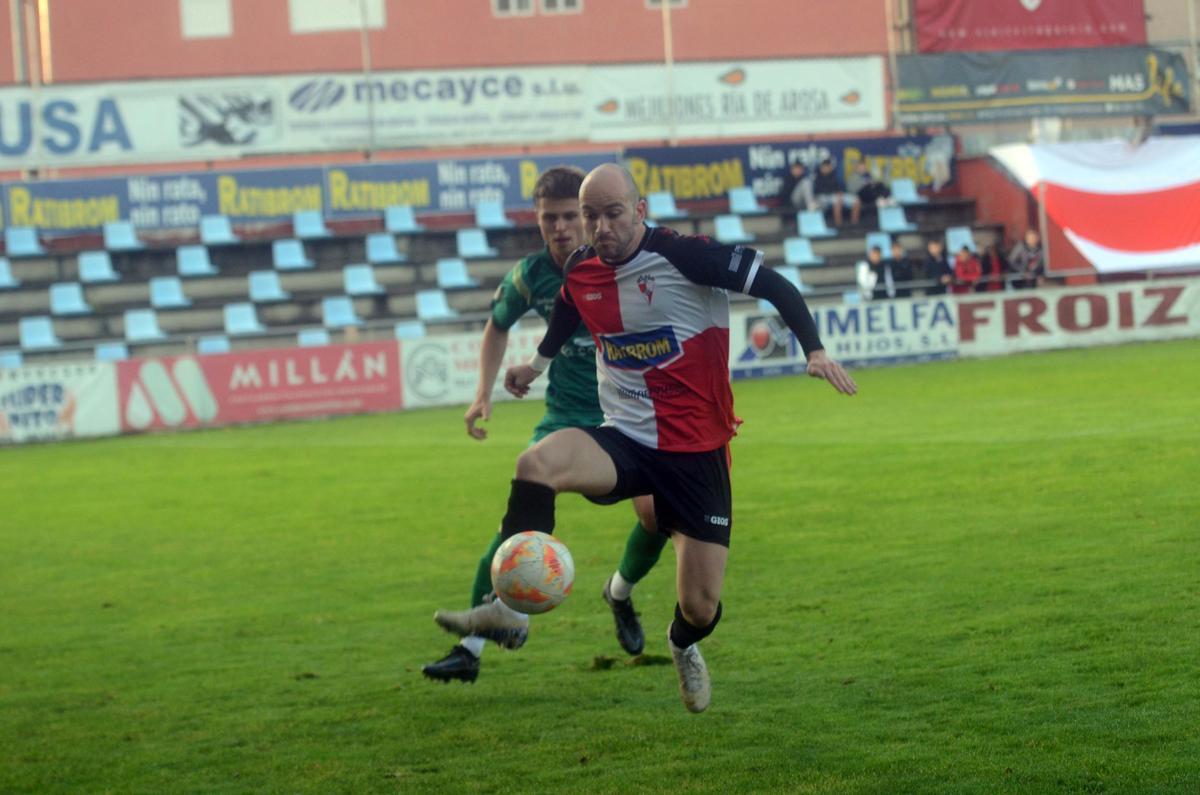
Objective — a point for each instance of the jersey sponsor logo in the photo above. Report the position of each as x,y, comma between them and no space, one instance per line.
593,296
646,286
641,350
719,521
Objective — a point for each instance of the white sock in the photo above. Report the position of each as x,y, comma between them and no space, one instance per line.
619,587
473,644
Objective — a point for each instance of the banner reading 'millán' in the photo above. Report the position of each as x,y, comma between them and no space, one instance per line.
993,86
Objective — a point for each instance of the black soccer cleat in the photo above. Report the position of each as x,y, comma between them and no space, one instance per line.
459,664
629,628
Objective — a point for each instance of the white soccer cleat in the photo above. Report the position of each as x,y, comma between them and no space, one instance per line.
491,620
694,686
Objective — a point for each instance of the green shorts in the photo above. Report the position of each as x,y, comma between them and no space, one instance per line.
556,422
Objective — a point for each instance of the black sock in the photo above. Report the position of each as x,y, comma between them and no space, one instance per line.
530,507
684,634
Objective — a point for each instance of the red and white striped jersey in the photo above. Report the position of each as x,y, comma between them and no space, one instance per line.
661,324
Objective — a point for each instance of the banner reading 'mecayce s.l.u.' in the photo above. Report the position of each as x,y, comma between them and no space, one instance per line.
204,119
971,25
443,369
992,86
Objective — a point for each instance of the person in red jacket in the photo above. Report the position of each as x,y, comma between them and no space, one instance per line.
967,271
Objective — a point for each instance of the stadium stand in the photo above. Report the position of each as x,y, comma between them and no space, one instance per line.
490,215
957,237
799,251
312,337
409,330
193,261
121,236
37,333
743,202
7,280
22,241
66,298
241,319
881,239
111,351
309,225
432,306
892,219
288,255
360,280
216,230
10,360
452,274
729,229
95,267
399,219
337,311
660,206
264,287
473,244
904,191
811,224
166,292
214,343
141,325
381,249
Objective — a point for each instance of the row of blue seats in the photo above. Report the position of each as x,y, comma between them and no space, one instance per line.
240,319
810,223
661,206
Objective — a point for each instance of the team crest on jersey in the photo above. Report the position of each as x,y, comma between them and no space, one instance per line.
646,285
641,350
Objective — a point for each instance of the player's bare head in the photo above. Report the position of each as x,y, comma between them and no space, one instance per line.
556,202
613,212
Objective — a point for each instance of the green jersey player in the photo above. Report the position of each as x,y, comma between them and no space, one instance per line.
571,402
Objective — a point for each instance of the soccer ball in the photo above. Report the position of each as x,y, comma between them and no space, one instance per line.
532,572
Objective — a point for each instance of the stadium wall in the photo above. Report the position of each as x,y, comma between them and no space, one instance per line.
53,402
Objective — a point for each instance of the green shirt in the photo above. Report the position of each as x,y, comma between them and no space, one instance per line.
571,393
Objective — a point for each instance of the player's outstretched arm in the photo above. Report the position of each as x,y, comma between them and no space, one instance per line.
564,319
491,354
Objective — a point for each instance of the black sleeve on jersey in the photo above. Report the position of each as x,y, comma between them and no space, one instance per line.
564,319
705,261
784,296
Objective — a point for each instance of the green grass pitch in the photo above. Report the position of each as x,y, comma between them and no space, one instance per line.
976,576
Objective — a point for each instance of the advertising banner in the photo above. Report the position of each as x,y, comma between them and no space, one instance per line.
443,370
982,87
718,100
969,25
58,401
1078,316
257,386
871,333
707,172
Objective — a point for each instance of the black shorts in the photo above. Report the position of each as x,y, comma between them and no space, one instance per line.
691,490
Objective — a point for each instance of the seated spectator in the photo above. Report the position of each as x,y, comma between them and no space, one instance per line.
829,191
1027,261
995,266
872,277
797,188
936,267
967,271
901,270
870,191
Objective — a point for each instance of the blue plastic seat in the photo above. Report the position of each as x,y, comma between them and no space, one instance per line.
729,229
215,343
743,202
141,325
312,337
381,249
66,298
166,292
191,261
240,318
957,237
121,236
799,251
7,281
265,287
660,206
112,352
881,239
904,190
432,305
792,274
452,273
411,330
892,219
95,267
37,333
288,255
400,219
851,297
360,280
10,360
489,214
22,241
473,243
216,230
308,224
337,311
811,224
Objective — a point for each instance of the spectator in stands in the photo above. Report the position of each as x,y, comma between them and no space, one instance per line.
871,192
1027,260
869,275
798,188
995,266
830,191
936,268
901,269
967,271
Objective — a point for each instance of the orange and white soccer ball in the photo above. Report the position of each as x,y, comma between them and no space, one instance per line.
533,572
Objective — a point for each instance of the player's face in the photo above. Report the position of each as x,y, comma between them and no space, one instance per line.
612,223
561,226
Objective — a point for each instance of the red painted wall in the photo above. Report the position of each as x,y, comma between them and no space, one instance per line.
143,39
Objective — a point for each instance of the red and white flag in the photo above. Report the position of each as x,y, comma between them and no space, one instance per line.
1125,207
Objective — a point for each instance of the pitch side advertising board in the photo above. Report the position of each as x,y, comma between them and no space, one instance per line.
58,401
443,370
258,386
